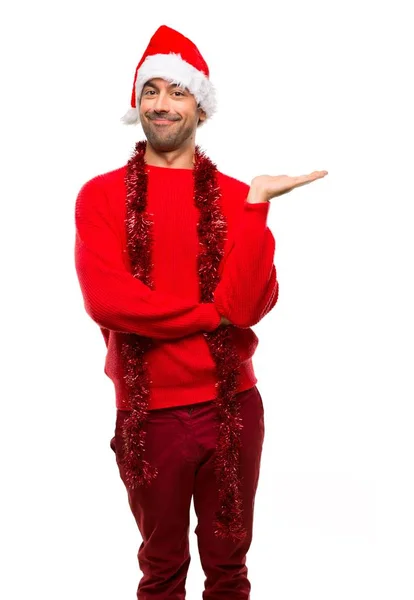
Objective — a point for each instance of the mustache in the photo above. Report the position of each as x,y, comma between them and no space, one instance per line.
153,116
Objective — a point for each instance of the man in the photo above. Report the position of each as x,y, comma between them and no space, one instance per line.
176,264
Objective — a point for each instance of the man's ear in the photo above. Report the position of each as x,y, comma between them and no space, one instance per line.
202,114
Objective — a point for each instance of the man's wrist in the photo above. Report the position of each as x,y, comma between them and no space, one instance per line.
256,195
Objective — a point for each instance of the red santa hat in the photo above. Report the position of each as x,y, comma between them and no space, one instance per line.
175,58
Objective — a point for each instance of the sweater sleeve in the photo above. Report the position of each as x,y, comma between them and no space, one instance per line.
113,297
248,288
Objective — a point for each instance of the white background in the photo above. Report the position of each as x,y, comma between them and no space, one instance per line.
301,86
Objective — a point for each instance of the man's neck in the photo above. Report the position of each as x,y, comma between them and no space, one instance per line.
182,158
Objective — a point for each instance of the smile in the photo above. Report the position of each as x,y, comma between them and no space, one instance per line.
162,121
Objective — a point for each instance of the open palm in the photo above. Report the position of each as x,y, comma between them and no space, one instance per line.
271,186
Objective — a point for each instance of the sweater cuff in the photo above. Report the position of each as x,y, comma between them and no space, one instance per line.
257,211
210,317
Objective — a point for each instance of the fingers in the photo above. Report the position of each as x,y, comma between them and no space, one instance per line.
304,179
311,177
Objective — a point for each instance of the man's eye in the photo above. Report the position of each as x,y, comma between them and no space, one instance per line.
149,91
180,93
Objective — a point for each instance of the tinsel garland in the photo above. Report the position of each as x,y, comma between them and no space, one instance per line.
211,230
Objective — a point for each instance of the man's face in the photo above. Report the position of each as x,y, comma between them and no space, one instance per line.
169,114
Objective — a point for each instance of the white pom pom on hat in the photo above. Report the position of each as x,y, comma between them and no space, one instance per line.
175,58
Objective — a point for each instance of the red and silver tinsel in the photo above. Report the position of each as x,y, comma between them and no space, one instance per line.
212,229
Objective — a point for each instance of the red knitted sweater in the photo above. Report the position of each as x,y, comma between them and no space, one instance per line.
181,368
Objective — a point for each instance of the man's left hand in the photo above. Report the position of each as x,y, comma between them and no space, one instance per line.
265,187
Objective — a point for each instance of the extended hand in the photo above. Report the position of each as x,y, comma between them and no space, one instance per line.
266,187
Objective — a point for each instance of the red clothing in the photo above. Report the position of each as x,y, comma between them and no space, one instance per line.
181,368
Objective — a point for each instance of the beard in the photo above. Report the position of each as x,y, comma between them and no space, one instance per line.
166,138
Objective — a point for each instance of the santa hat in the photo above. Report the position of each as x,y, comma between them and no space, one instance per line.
175,58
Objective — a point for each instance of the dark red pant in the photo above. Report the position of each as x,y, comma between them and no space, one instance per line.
180,441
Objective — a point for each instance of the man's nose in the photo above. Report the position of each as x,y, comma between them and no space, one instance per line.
161,103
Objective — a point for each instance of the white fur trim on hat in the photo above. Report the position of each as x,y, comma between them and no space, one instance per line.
173,68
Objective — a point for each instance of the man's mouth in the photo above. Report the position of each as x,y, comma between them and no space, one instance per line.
162,121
